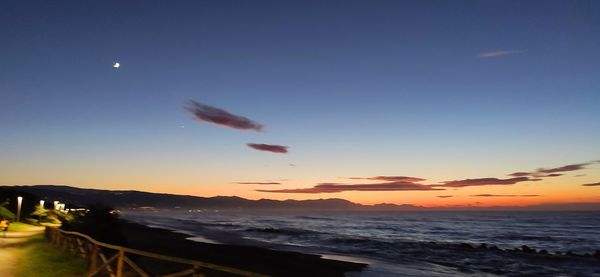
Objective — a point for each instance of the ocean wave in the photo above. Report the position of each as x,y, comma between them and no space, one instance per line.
471,244
351,240
312,217
520,237
282,231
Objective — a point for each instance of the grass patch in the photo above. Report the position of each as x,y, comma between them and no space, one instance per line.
21,227
39,258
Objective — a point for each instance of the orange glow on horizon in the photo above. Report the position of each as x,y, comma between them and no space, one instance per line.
218,181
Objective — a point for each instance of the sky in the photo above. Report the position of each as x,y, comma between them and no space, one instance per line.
305,99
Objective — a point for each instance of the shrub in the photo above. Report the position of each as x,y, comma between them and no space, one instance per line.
100,222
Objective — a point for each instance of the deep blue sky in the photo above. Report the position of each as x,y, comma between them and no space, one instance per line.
353,87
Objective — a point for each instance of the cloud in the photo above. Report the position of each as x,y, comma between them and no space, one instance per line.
553,175
552,172
504,195
482,182
269,147
221,117
258,183
519,174
405,183
391,179
332,187
534,174
492,54
592,184
571,167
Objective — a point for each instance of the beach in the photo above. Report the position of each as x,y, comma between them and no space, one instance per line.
418,244
249,258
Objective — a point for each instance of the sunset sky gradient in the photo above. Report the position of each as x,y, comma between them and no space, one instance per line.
422,102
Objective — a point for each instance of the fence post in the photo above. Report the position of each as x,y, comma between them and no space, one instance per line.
197,272
92,250
120,263
93,260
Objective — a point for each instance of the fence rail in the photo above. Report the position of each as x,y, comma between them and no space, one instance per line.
116,261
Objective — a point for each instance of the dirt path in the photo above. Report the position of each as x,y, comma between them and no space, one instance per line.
9,246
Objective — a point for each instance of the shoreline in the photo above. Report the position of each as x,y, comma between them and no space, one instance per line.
251,258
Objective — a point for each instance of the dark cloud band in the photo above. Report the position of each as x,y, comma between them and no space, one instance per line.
269,147
221,117
482,182
390,179
331,188
552,172
404,183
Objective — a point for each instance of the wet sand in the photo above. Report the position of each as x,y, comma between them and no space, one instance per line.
250,258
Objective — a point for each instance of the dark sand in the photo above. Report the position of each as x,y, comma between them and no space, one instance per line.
249,258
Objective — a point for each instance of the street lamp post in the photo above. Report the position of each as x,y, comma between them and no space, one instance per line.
41,209
19,201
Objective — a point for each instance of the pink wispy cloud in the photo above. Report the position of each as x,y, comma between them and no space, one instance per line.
592,184
391,179
269,147
552,172
499,53
220,117
482,182
571,167
333,187
406,183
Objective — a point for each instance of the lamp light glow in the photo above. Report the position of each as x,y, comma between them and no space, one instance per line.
19,202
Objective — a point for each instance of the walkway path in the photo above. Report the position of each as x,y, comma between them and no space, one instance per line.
9,247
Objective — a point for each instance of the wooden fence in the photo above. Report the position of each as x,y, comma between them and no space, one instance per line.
116,261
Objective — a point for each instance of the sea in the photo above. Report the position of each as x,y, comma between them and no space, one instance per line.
447,243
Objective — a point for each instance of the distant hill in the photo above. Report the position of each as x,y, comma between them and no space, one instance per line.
135,199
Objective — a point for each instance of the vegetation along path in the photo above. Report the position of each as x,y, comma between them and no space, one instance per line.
25,252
